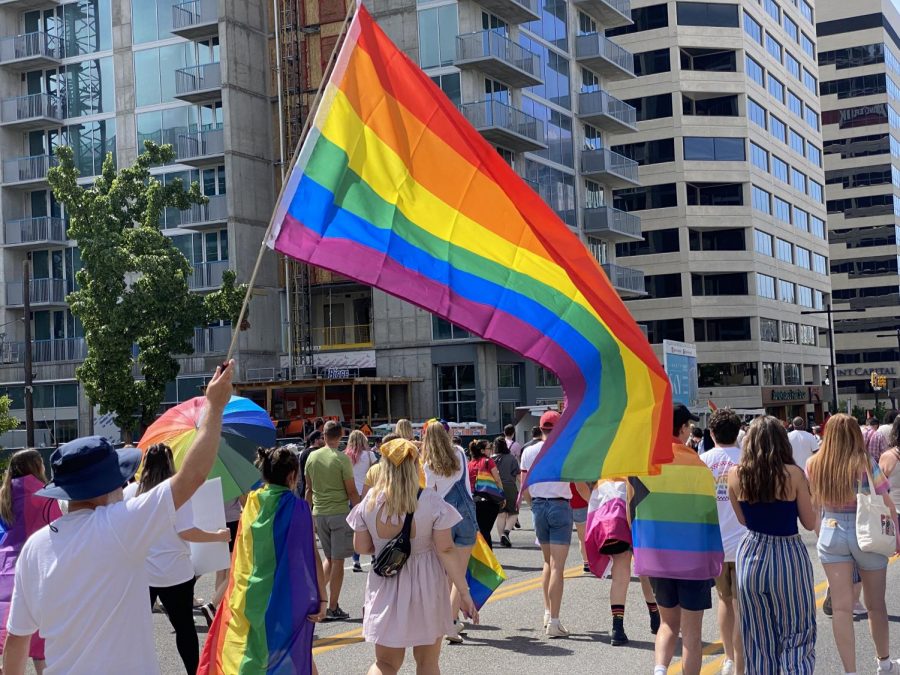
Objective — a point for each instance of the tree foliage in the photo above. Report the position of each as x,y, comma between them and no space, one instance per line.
7,421
132,295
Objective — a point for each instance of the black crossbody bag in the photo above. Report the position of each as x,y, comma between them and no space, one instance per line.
391,559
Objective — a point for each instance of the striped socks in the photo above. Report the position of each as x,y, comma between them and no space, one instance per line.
652,608
618,611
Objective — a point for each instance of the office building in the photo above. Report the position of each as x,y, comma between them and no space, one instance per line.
859,63
731,199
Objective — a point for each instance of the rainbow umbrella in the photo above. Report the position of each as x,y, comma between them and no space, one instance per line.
245,427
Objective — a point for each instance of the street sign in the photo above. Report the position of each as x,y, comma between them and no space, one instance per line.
680,364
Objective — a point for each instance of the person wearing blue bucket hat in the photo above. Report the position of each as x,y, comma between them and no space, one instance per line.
82,581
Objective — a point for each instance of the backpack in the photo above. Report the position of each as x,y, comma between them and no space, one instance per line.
391,559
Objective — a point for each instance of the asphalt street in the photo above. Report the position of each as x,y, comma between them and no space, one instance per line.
510,639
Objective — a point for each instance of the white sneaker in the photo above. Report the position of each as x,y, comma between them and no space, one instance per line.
546,619
555,630
893,667
859,609
454,637
728,668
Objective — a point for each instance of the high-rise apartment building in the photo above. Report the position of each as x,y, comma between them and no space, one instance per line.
732,198
859,62
103,76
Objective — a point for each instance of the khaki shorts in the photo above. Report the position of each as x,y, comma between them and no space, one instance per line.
335,536
726,582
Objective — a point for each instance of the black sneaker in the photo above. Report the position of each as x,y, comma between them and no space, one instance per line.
586,568
505,542
517,526
654,622
618,637
826,606
357,567
336,614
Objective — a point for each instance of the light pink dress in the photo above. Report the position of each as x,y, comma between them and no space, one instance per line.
412,608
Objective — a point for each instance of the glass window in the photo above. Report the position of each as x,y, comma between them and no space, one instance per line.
768,330
756,113
818,299
702,148
808,45
798,180
89,87
801,219
796,142
555,68
792,372
752,28
808,335
456,393
652,62
773,46
557,188
803,258
85,27
820,263
754,70
817,227
804,296
763,242
546,378
771,374
765,286
813,154
151,19
795,105
792,64
509,375
807,11
786,291
558,127
776,88
438,28
722,330
449,84
652,107
707,14
444,330
648,197
553,25
784,250
779,169
781,209
811,117
759,156
810,82
777,128
761,199
790,27
788,332
773,10
727,374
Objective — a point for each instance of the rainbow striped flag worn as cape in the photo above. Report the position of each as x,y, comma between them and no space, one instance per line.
484,574
262,626
675,521
394,188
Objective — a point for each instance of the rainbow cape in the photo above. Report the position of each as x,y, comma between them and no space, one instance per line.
261,625
394,188
675,521
484,574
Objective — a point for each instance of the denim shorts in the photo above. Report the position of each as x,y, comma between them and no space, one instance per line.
464,531
837,543
552,521
580,515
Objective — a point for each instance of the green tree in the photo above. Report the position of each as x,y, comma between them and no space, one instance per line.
7,421
132,288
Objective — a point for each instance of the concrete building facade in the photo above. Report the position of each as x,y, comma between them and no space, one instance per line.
859,62
732,198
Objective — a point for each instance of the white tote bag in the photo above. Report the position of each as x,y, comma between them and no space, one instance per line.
876,531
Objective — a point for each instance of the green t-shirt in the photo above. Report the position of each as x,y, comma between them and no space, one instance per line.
328,469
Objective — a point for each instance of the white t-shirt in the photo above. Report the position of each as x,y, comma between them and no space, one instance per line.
804,444
885,430
720,461
84,586
442,484
169,561
544,490
366,460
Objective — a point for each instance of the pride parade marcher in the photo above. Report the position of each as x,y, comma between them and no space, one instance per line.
768,494
81,581
682,578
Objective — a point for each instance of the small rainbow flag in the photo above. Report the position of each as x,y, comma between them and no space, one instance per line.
675,521
484,574
712,406
262,625
484,482
394,187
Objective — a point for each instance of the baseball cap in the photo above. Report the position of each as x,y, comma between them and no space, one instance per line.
681,416
549,420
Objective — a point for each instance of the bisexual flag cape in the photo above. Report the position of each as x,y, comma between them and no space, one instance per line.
262,626
607,521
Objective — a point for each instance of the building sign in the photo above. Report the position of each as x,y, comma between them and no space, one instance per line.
680,364
778,396
364,358
866,372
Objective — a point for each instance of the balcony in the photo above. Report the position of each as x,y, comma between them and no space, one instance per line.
27,171
207,276
214,212
604,56
27,4
610,168
44,351
37,232
499,58
609,13
602,110
504,125
196,19
627,281
32,111
612,225
513,11
200,147
43,292
199,84
212,340
342,337
29,51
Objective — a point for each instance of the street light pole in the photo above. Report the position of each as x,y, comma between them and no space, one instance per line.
887,335
829,312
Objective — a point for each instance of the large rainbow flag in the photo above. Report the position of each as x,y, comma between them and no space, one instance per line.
394,188
262,625
484,574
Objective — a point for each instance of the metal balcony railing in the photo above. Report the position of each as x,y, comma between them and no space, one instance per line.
194,13
214,211
517,66
207,275
196,79
65,349
594,46
339,337
27,169
34,230
29,107
212,340
605,161
200,144
601,103
43,292
29,46
491,113
618,224
625,279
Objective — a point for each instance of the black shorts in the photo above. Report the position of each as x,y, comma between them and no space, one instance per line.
232,527
694,596
615,547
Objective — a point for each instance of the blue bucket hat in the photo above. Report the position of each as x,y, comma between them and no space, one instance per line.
89,467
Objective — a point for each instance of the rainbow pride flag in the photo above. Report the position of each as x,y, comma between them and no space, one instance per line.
484,574
261,625
484,482
675,521
394,188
